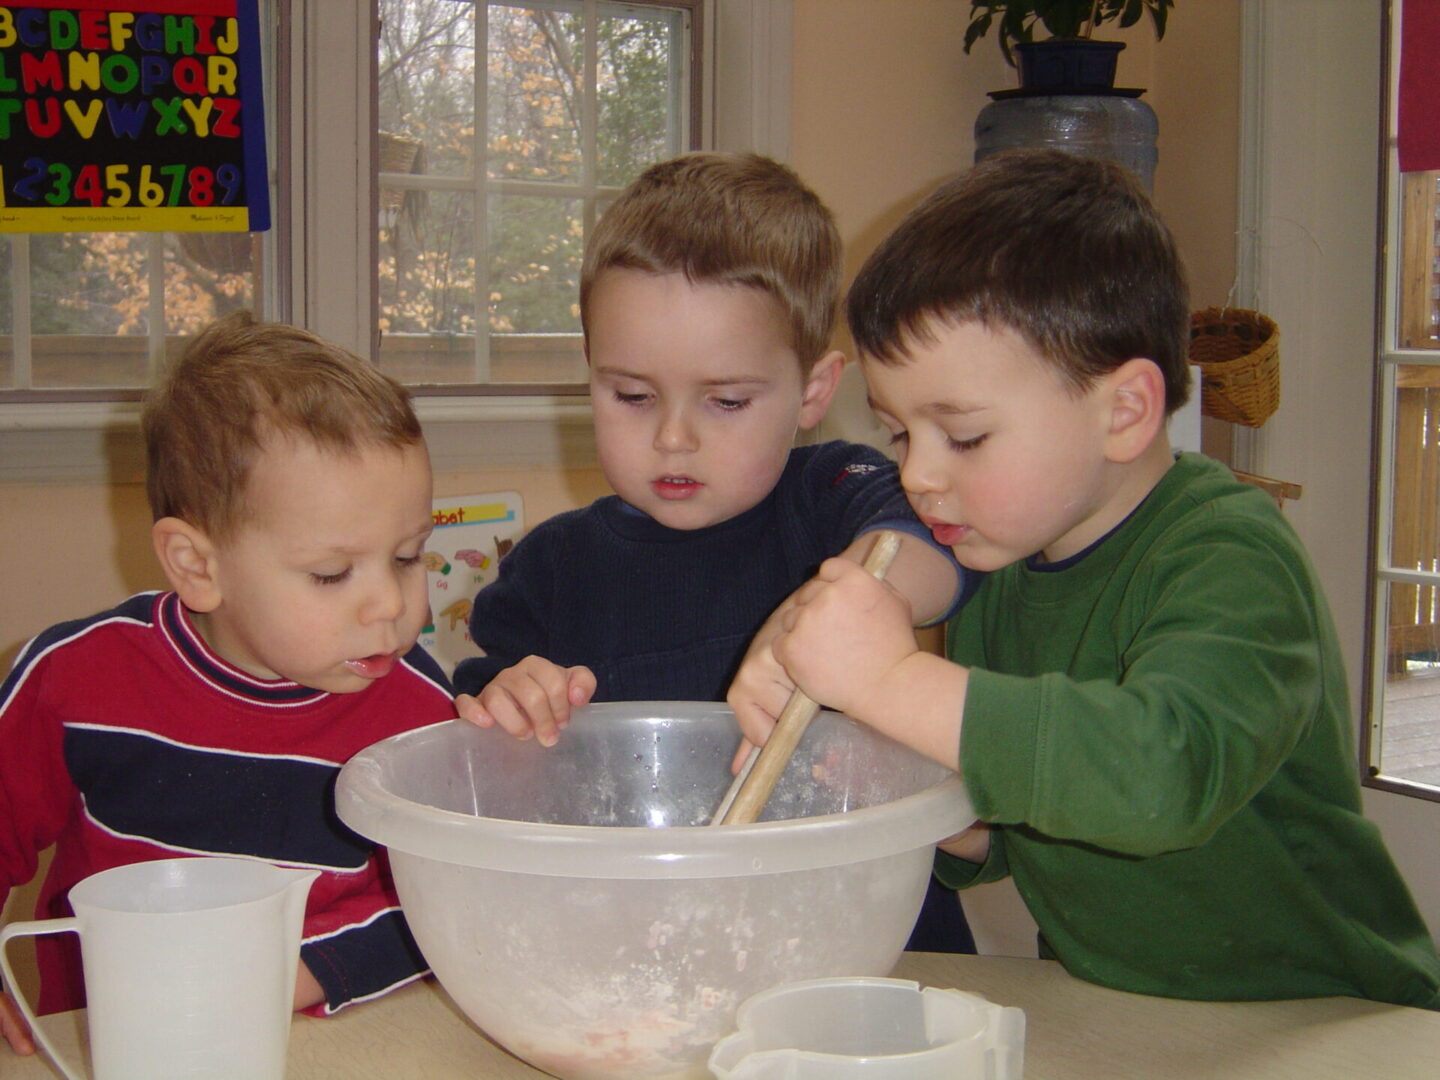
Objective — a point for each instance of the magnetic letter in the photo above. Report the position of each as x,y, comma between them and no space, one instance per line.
84,121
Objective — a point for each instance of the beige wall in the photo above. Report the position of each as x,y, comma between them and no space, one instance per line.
885,100
71,549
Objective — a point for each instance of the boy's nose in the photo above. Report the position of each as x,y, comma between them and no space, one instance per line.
675,432
919,475
385,601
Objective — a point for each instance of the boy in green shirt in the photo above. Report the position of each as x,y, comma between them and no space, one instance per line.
1146,697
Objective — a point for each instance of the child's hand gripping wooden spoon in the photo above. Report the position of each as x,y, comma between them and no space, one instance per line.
751,788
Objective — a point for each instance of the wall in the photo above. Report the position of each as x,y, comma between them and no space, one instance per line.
1315,223
885,99
70,549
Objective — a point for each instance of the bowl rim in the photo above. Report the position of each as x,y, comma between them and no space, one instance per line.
411,829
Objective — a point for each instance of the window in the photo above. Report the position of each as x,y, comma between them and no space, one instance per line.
491,174
92,315
321,264
480,226
1403,735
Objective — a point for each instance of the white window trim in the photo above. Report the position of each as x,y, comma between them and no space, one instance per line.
748,45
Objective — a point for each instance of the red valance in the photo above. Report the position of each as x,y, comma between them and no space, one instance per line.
1419,118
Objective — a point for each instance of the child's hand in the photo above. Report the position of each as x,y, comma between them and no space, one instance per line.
13,1027
533,697
842,636
846,639
761,686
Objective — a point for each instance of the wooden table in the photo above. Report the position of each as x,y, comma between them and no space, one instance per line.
1075,1031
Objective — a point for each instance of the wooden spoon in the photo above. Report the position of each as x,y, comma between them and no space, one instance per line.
751,788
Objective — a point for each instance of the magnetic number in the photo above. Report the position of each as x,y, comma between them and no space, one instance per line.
119,190
56,183
147,190
59,193
228,177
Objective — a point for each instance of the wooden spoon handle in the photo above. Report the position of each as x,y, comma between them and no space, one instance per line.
751,789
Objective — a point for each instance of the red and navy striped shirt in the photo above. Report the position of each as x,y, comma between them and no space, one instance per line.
124,738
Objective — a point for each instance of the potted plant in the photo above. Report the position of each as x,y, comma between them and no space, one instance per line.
1070,59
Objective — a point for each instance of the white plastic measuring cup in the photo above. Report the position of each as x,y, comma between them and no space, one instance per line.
189,968
871,1029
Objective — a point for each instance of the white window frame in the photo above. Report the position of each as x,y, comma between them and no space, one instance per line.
746,106
1391,358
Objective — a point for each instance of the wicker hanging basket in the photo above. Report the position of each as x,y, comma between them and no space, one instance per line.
1238,354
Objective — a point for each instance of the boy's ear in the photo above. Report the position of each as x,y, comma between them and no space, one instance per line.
1137,409
820,387
188,558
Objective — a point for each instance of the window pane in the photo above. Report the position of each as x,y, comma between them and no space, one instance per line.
641,54
93,297
427,86
1415,521
80,283
1419,285
562,79
1410,748
427,264
535,93
536,247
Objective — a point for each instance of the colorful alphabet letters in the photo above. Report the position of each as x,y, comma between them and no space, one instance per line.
126,115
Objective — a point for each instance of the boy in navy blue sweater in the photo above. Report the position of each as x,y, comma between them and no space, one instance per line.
708,297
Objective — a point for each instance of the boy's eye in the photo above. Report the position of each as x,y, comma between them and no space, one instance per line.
330,579
732,404
961,445
407,561
897,437
631,399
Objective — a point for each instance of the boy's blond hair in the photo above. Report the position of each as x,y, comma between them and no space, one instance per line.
242,382
727,219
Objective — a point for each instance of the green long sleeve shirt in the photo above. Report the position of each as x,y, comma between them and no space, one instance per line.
1161,732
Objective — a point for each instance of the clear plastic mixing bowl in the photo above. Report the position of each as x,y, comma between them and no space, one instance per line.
573,904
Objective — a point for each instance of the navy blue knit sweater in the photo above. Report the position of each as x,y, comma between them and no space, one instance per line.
664,614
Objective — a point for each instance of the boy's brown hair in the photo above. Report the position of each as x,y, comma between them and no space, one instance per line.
1067,251
242,382
727,219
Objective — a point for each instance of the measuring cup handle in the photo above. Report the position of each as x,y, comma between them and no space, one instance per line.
35,929
1005,1036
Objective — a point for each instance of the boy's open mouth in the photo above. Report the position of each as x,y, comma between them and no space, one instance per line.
675,487
376,666
948,535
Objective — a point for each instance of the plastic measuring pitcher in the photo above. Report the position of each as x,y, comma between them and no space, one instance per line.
189,968
871,1029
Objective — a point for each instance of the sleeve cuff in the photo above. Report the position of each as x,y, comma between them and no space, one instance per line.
966,581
